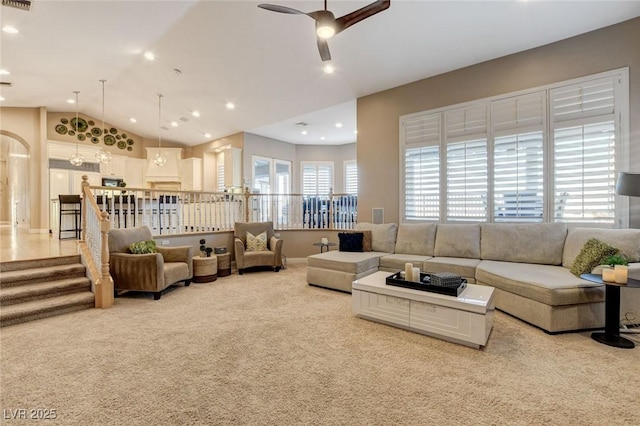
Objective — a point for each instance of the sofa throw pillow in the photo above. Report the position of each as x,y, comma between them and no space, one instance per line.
366,239
350,241
143,247
593,253
257,242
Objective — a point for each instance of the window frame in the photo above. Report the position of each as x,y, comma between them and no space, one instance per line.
620,78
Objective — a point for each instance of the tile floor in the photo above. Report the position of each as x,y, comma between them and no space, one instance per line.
17,243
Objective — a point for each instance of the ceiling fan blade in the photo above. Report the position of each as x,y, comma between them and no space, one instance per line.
349,19
281,9
323,48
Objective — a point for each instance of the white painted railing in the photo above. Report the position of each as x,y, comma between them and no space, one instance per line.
168,212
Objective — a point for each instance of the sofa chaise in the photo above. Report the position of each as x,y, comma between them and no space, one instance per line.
528,264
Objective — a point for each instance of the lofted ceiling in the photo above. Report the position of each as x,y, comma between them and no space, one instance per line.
209,53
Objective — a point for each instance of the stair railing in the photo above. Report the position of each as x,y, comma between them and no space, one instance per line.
94,245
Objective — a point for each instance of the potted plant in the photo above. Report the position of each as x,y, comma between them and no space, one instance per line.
609,273
206,251
615,259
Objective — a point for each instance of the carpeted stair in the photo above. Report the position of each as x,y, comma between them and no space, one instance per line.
41,288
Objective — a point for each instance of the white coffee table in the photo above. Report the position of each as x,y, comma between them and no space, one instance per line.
466,319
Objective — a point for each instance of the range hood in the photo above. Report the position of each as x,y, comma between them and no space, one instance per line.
170,171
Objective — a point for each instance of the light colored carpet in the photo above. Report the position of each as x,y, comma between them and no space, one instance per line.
265,348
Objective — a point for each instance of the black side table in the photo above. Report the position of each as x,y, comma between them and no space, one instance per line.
323,246
611,335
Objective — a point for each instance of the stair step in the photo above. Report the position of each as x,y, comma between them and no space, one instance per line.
16,265
36,275
44,308
29,292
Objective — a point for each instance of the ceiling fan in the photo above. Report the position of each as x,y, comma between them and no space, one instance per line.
327,25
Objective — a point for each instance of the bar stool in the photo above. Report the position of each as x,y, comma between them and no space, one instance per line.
70,205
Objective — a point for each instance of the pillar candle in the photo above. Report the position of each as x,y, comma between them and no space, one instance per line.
621,274
416,275
608,275
408,271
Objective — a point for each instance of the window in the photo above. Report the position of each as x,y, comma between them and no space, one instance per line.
584,130
220,166
271,176
549,154
466,163
351,177
421,134
317,178
518,158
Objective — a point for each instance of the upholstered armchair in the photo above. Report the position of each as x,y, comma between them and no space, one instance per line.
151,272
253,253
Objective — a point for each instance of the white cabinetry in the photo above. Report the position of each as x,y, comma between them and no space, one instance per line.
134,173
191,173
116,168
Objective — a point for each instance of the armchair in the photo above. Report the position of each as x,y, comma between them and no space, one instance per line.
152,272
272,256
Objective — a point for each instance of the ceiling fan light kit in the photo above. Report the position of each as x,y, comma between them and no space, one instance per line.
327,25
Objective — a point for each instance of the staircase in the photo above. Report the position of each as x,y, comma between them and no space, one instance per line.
41,288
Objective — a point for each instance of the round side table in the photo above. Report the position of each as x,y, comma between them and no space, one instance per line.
205,269
224,264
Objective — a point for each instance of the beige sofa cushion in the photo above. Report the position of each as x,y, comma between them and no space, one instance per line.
345,261
383,235
523,242
397,261
626,240
457,241
551,285
462,266
416,238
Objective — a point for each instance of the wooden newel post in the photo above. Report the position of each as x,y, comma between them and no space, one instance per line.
83,212
247,195
104,286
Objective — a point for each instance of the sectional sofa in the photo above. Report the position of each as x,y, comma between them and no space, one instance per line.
528,264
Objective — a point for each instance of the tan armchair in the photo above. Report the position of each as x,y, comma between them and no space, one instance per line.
247,259
151,272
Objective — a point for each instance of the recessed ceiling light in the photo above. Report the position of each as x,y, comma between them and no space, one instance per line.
207,135
338,125
355,132
322,138
1,99
230,105
174,124
328,69
149,55
133,120
10,29
195,113
4,72
71,101
304,132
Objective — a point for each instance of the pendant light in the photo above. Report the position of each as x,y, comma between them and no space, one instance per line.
76,159
103,156
160,159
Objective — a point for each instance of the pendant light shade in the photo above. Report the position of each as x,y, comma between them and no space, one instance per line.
159,159
103,156
76,159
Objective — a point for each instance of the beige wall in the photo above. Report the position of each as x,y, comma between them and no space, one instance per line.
378,114
338,154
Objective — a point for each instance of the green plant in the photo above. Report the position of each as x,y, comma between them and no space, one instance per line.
615,259
205,249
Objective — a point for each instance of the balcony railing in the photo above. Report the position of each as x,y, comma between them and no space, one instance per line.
181,212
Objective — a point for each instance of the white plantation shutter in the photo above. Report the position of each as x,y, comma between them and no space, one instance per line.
553,152
317,178
421,137
518,158
467,168
351,177
220,176
584,132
